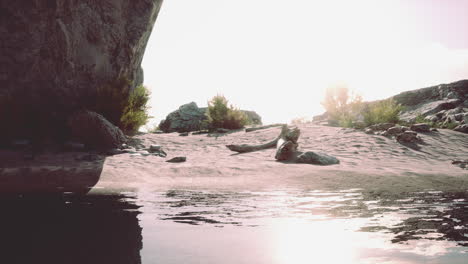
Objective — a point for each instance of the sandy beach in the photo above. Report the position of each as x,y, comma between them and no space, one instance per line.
376,164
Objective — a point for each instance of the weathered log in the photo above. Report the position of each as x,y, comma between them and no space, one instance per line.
249,148
286,134
286,149
250,129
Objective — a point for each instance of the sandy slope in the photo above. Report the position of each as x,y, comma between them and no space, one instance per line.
376,164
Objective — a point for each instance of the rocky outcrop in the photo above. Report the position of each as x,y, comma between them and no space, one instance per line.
433,102
95,131
462,128
57,53
189,117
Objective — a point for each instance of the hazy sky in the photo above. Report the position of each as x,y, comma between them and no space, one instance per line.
277,57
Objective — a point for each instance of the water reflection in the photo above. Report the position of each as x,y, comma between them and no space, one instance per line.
298,226
61,229
188,226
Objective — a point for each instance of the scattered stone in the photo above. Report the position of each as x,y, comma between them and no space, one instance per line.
393,131
154,148
369,131
125,146
422,127
157,150
222,130
115,151
144,153
462,128
408,137
385,134
381,126
459,117
94,130
131,150
184,134
177,159
434,130
465,118
200,132
432,118
461,163
317,158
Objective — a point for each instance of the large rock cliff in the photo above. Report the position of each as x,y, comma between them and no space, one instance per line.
57,53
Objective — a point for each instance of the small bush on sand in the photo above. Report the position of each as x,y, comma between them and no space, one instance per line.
348,110
135,113
342,107
220,115
122,107
385,111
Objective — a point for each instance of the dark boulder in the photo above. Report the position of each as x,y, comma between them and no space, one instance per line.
187,118
408,137
317,158
396,130
381,126
95,131
461,128
421,128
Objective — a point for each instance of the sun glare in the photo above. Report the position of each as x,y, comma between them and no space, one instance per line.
262,54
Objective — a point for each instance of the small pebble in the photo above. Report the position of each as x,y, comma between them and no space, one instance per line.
177,159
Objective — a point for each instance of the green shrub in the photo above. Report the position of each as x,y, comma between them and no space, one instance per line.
221,116
122,107
342,107
449,125
347,110
135,113
385,111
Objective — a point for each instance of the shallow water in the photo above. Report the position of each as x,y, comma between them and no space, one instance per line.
193,226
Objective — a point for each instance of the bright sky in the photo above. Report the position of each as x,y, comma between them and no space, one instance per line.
277,57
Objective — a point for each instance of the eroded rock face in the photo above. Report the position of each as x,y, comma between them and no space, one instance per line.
57,53
433,101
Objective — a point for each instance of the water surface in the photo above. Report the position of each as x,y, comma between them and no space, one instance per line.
196,226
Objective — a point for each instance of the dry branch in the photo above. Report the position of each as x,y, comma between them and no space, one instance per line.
286,149
250,129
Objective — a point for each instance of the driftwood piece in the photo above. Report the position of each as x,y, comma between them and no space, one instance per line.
250,129
286,149
287,143
285,133
249,148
